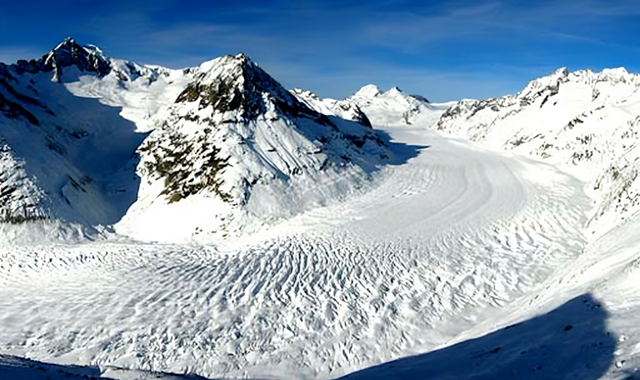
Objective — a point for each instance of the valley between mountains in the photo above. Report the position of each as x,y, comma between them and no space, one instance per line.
207,222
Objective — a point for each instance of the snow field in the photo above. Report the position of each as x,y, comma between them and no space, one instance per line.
433,248
480,264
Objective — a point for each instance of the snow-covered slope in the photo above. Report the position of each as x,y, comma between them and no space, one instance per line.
342,108
236,141
395,107
68,161
584,122
91,141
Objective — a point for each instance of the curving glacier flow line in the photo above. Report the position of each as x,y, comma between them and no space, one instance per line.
434,247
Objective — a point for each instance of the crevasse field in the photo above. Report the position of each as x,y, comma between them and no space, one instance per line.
451,246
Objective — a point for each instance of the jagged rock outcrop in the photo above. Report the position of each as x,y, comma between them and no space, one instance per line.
67,54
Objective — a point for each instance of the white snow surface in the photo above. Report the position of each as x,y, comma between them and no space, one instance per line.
584,123
394,107
449,246
444,260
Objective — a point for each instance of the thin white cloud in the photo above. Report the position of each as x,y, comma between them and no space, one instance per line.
408,30
347,43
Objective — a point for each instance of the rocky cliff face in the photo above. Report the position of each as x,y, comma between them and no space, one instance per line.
68,53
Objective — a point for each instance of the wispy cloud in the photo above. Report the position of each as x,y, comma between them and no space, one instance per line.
466,47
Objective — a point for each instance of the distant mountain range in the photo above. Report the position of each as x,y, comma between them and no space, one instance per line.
89,142
584,122
94,145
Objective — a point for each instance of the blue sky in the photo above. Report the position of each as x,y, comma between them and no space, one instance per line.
444,50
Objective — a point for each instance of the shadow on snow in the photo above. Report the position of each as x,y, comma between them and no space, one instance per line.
89,168
16,368
570,342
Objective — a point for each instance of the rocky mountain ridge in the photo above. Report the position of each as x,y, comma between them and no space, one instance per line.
584,122
93,141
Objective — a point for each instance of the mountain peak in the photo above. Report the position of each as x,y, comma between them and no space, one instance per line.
70,53
242,57
368,91
67,43
236,83
65,54
394,91
561,72
619,74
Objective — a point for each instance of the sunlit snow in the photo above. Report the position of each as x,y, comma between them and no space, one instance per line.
477,241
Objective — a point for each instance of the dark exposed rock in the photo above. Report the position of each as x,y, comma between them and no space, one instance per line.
68,53
180,181
420,98
244,87
14,110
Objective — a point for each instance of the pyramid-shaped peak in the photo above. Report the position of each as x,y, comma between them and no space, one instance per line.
67,43
239,61
235,83
66,50
70,53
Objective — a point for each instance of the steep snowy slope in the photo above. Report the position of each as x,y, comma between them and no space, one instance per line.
395,107
584,122
239,143
342,108
224,137
67,161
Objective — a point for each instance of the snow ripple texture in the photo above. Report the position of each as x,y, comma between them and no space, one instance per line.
435,245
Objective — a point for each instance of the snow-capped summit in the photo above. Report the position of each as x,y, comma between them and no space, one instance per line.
583,121
67,53
368,91
548,83
235,83
394,107
394,91
617,75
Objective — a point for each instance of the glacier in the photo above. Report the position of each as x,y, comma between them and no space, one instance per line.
208,222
